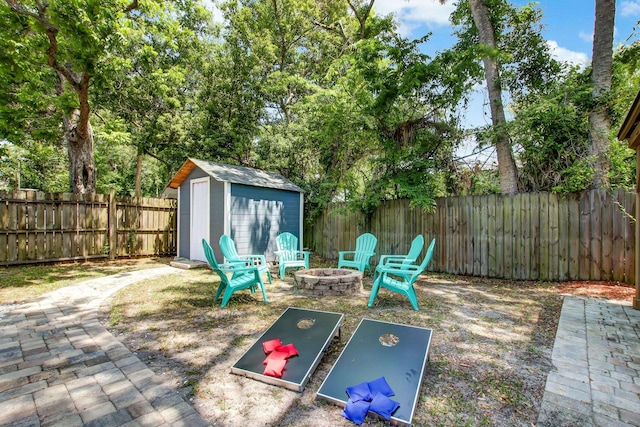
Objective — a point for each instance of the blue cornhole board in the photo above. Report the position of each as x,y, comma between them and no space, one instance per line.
365,359
310,342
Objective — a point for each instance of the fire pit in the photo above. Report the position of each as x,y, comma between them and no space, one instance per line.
328,281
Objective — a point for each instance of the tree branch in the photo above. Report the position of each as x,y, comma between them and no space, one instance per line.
132,6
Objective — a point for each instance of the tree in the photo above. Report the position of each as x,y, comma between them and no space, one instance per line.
480,11
601,77
71,40
515,58
154,91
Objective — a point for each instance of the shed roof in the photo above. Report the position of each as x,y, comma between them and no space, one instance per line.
234,174
630,128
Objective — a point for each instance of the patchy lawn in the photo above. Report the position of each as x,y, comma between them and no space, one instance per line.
24,282
489,356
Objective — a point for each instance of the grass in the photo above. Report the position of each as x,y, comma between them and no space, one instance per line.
21,283
489,355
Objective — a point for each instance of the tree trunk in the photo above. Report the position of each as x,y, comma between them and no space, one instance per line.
79,135
82,173
138,192
601,76
506,165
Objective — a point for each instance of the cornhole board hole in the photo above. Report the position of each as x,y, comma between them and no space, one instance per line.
399,353
310,331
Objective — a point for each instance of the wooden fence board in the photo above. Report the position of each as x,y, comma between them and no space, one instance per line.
553,237
533,236
607,236
39,226
534,272
537,236
596,235
618,237
585,237
508,238
500,236
484,238
630,233
491,235
574,236
545,247
476,236
563,239
4,228
516,236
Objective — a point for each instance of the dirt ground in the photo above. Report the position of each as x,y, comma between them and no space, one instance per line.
489,355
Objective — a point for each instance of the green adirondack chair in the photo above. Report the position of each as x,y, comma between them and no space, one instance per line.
229,251
289,253
410,258
401,277
242,278
365,249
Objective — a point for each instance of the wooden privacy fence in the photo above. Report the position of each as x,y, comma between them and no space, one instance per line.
535,236
39,227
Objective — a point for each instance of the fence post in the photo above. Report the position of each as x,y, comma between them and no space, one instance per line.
113,225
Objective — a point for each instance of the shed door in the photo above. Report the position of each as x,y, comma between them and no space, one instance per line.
199,218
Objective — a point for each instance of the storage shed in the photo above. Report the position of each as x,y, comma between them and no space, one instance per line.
250,205
630,131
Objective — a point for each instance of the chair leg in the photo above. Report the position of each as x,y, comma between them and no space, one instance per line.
269,276
227,296
374,293
281,271
413,299
219,291
264,293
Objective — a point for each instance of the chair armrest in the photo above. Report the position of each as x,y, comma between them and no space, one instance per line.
297,253
235,267
398,268
341,254
395,259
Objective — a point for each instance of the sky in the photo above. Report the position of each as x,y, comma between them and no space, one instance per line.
567,27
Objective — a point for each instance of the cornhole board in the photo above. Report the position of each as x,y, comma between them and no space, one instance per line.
311,343
365,358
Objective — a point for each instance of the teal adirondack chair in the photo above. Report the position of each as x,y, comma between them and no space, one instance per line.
229,251
410,258
401,277
242,278
365,249
289,253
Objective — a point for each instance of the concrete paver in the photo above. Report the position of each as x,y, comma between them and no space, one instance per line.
59,366
601,339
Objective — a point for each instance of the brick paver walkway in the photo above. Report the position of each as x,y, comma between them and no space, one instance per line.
60,367
596,359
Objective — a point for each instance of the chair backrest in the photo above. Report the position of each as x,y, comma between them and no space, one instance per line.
287,245
365,246
228,248
211,259
427,257
416,247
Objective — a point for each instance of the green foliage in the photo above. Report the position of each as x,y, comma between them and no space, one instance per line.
33,165
551,130
553,137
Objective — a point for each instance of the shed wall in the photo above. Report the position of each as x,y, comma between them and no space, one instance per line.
259,214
